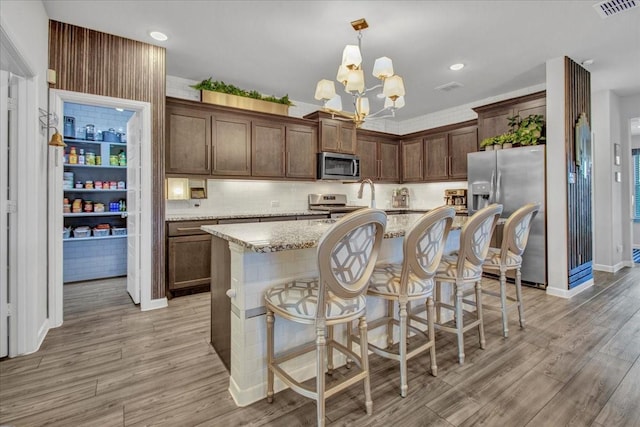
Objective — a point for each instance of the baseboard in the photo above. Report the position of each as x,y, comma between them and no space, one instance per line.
154,304
569,293
610,268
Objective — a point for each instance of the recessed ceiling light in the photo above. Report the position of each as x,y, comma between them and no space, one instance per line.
456,67
587,62
158,35
119,109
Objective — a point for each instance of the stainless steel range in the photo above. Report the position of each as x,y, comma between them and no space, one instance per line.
335,204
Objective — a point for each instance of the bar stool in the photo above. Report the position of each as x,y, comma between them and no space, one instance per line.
347,254
509,257
463,270
409,281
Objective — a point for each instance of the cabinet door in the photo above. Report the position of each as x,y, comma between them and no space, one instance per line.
267,149
493,123
301,144
189,261
188,141
436,157
412,152
329,135
389,165
231,139
347,138
461,143
368,154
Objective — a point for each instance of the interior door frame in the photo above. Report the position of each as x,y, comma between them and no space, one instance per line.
56,167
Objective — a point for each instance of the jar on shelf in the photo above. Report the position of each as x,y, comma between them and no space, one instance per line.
122,158
73,156
88,206
88,185
113,160
81,157
91,132
90,158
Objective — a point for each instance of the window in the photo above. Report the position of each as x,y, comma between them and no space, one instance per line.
636,182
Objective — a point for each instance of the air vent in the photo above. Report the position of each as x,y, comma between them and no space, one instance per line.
447,87
612,7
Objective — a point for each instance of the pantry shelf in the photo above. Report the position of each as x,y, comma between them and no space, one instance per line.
90,141
71,165
89,190
76,239
73,215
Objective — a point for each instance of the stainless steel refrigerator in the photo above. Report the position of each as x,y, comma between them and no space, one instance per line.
513,177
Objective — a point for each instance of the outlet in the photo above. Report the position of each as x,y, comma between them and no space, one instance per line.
275,203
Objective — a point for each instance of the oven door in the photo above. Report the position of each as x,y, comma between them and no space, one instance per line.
345,167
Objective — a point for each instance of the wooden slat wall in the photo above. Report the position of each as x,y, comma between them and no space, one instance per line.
92,62
577,101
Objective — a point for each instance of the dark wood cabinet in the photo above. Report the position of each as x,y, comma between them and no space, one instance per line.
436,149
267,149
188,141
337,136
379,157
231,142
412,160
493,118
301,146
446,153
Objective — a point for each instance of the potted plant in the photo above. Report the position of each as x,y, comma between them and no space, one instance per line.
507,139
528,130
488,143
218,92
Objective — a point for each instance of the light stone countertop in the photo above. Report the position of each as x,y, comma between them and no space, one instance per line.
239,215
267,237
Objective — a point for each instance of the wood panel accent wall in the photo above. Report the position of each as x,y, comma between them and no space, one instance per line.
92,62
579,218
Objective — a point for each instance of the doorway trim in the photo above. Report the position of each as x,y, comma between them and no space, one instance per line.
57,100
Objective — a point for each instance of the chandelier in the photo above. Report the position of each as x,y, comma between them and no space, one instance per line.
351,75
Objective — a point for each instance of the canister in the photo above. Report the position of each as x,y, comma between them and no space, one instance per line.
90,132
113,160
98,185
90,158
88,185
88,206
69,127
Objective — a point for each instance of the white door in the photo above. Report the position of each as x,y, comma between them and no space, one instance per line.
133,207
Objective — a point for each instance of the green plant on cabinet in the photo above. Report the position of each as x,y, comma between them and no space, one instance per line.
220,86
528,130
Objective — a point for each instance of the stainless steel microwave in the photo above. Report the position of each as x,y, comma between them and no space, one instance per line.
345,167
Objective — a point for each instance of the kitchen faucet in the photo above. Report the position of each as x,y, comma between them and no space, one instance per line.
373,191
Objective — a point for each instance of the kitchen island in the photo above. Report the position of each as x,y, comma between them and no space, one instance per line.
246,259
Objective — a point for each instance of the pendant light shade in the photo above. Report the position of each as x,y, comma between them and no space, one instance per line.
343,74
397,104
362,106
393,87
325,89
334,104
355,81
382,68
351,56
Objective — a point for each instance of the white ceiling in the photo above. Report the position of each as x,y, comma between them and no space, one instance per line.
285,47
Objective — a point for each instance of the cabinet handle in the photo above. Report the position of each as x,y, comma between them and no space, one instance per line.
379,168
206,157
449,171
213,161
188,229
231,293
420,169
288,163
446,165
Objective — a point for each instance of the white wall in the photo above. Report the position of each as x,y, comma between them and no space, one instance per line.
607,207
629,108
26,25
635,226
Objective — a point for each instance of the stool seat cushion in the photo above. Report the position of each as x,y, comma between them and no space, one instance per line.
493,258
299,298
385,280
449,264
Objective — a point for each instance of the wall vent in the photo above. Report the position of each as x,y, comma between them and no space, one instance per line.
612,7
447,87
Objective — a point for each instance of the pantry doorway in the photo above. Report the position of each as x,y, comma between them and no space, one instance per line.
126,235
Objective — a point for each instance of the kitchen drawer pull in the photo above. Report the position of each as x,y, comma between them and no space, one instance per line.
231,293
188,229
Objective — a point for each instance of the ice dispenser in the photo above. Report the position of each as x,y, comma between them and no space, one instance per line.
480,195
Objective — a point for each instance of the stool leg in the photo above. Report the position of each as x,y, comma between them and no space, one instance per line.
390,315
503,301
432,336
349,343
438,300
459,324
364,360
519,297
403,348
321,343
330,350
270,322
479,313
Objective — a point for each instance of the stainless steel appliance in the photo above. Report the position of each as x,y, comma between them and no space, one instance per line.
457,199
400,198
345,167
335,204
513,177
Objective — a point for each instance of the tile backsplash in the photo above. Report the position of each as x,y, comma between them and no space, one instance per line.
226,196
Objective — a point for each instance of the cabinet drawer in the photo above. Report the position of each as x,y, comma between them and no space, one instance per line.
189,261
278,218
188,228
237,220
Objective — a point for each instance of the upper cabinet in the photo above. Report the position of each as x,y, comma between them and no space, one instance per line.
209,140
493,118
439,154
379,157
188,141
335,135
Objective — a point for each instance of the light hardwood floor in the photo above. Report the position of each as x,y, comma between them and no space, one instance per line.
577,362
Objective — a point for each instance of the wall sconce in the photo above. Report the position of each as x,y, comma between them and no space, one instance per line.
178,189
49,121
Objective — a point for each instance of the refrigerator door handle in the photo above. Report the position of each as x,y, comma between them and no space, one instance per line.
498,185
492,188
